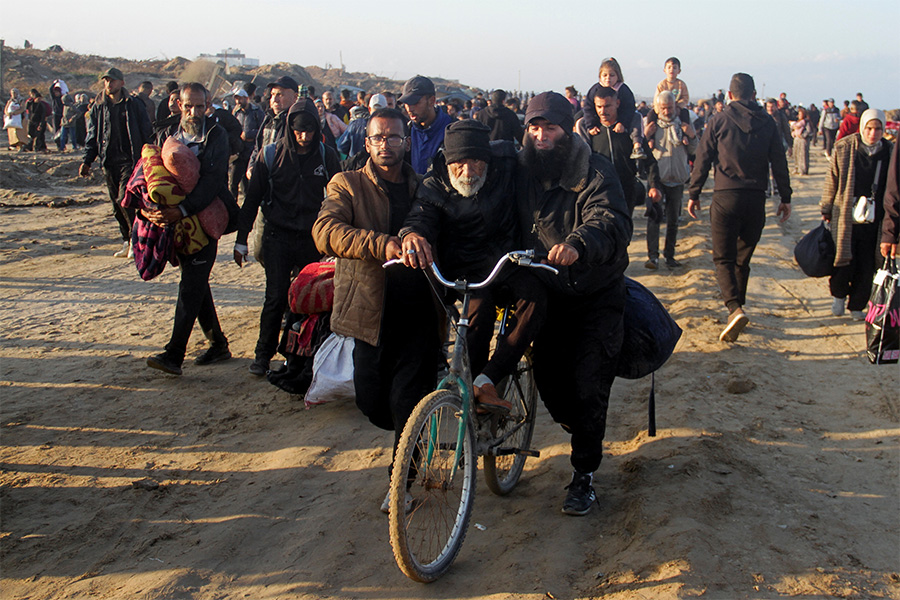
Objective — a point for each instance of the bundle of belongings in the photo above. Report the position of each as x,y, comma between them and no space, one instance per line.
310,300
164,177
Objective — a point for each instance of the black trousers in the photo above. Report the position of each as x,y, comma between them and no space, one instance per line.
575,359
391,378
529,296
854,281
670,209
195,301
285,251
37,131
737,218
829,135
237,176
117,177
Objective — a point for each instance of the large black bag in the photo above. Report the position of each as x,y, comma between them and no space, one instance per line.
650,338
650,333
815,252
883,317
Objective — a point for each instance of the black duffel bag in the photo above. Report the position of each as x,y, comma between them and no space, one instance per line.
650,333
815,252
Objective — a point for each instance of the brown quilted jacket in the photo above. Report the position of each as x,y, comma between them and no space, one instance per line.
351,226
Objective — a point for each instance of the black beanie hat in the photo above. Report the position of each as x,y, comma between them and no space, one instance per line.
467,139
551,106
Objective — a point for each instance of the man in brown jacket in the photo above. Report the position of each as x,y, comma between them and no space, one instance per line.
389,312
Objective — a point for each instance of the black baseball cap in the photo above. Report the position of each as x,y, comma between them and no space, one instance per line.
415,88
113,73
286,83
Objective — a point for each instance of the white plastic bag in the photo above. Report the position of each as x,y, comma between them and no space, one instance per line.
864,211
332,371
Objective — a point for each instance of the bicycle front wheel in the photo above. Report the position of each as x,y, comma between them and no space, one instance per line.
504,464
432,487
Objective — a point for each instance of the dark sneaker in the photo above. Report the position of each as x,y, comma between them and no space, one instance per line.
736,323
672,263
215,353
652,264
487,400
259,367
638,154
164,363
581,496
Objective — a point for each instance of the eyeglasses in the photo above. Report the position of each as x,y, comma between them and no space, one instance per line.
394,141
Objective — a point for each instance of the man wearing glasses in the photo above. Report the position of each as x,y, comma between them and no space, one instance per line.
389,312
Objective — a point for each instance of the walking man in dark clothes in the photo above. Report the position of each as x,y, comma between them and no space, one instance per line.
209,141
288,181
118,127
742,142
571,206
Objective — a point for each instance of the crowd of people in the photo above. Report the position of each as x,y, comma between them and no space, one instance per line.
408,176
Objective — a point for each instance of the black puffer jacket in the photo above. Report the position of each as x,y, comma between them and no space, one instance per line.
586,209
292,192
469,234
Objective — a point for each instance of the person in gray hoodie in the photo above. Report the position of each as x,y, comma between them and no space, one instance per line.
742,142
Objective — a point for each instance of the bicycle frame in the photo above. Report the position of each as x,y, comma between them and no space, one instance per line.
460,374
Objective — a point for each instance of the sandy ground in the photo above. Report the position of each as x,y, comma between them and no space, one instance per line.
774,474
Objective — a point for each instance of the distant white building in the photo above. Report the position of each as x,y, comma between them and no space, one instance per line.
232,57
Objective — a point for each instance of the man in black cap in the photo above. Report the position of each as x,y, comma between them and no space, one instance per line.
118,128
289,181
742,142
466,211
571,206
283,94
427,122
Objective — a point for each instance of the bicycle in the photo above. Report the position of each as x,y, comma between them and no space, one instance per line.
433,477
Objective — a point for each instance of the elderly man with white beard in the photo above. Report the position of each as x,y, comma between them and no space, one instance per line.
465,218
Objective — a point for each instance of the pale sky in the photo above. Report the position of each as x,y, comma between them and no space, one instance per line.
809,49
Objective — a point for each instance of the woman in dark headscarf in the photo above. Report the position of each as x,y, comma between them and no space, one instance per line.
859,167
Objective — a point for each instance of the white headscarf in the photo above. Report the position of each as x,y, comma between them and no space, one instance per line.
871,114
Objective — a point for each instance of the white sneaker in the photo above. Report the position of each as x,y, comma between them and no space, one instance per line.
130,250
857,315
126,248
386,505
837,306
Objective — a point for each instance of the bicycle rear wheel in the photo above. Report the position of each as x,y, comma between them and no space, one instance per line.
441,483
504,465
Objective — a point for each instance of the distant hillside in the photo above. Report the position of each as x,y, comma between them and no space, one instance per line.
32,68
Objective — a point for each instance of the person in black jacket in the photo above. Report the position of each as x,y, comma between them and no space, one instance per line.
117,130
195,302
288,181
466,211
742,142
37,122
571,205
503,123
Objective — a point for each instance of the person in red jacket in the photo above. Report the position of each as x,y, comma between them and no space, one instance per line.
850,123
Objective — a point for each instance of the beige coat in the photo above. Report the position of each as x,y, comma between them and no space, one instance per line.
351,226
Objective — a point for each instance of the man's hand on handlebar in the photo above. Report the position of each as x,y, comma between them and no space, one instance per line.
416,251
562,255
392,248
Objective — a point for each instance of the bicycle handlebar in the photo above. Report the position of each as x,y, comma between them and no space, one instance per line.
523,258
